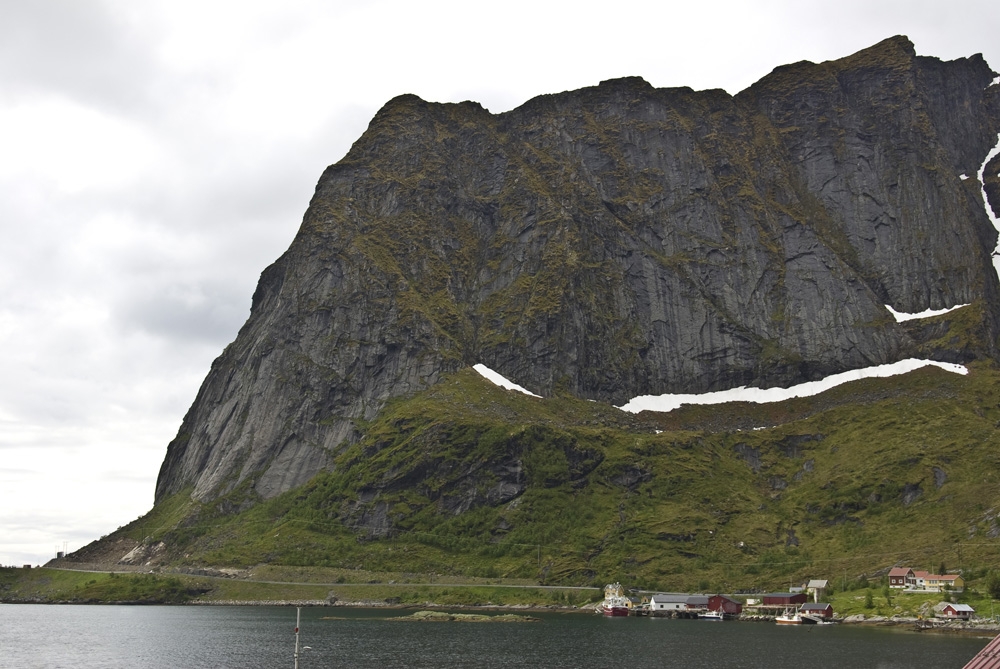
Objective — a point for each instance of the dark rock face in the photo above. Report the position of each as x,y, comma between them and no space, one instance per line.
610,242
911,491
750,455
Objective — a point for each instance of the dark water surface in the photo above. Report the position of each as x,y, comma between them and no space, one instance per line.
87,637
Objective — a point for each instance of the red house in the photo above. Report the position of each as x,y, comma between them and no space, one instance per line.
724,604
821,609
901,577
954,611
784,598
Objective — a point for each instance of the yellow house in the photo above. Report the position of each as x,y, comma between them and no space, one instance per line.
941,582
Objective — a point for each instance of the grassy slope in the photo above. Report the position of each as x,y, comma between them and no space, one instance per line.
678,510
70,586
306,584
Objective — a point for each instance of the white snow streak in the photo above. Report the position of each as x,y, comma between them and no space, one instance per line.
763,395
989,211
499,380
900,316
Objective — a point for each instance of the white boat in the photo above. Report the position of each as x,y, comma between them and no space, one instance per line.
789,617
713,615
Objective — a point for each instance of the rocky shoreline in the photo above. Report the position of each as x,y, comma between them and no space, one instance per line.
927,624
932,625
915,623
390,605
443,616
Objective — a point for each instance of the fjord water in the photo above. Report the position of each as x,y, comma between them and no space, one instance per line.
140,637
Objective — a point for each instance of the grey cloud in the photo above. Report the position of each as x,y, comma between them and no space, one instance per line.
78,49
233,187
204,311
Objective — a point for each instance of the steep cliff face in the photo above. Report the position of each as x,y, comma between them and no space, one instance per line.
609,242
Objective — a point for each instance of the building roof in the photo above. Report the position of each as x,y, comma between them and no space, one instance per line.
938,577
900,571
817,583
957,607
671,597
697,600
728,599
988,657
814,606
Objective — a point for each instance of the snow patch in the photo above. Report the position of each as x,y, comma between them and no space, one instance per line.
963,177
989,212
499,380
900,316
982,170
670,402
996,82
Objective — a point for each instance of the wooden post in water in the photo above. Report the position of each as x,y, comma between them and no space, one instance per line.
297,611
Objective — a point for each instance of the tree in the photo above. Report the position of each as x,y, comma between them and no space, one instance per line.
869,602
993,584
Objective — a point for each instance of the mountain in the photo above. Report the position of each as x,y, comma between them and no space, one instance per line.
610,242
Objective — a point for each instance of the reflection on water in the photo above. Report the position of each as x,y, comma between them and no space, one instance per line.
250,637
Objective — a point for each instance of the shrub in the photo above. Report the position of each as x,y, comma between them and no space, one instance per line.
993,584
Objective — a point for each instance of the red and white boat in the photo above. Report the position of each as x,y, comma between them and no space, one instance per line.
615,603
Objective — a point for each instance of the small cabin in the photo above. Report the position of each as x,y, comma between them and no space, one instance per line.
954,611
725,604
821,609
817,588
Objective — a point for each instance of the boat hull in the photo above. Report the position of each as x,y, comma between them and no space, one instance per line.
614,611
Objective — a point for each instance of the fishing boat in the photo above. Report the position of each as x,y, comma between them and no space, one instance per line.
615,603
713,615
789,617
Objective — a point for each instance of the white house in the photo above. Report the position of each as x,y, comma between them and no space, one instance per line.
668,602
817,588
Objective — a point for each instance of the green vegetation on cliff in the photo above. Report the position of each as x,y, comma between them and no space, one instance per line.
467,479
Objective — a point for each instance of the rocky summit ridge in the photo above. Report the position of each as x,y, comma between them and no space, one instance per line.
614,241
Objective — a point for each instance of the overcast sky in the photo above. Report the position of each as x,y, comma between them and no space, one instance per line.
156,156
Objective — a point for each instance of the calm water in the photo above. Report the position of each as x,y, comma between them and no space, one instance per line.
85,637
